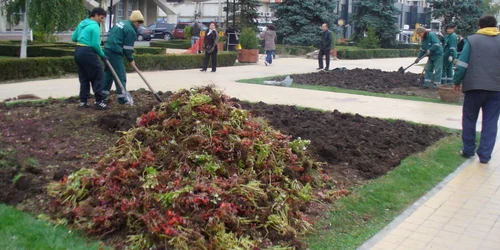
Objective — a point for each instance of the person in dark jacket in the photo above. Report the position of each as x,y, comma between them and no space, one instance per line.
210,46
88,38
232,38
478,72
120,43
195,35
269,43
324,47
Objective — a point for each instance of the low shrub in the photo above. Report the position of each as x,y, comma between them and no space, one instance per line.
407,46
293,50
179,44
150,50
35,50
371,41
376,53
16,69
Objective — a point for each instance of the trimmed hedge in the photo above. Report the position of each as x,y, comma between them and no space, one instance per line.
293,50
16,69
376,53
62,49
175,44
35,50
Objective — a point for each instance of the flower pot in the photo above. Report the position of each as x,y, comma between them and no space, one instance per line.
220,46
248,55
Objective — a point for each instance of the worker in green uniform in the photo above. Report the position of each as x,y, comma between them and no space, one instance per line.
87,52
120,43
449,54
431,47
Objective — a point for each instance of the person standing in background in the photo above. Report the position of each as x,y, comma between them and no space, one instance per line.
269,43
324,47
210,46
450,54
195,36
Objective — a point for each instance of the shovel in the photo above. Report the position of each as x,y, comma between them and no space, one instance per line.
402,70
128,97
157,97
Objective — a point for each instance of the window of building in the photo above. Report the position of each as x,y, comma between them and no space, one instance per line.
119,11
132,5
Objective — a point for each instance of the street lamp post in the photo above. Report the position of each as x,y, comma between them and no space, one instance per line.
110,14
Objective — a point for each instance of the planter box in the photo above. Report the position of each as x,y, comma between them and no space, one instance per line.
248,55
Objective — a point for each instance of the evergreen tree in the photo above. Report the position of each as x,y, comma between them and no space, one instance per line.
464,14
379,14
246,12
299,21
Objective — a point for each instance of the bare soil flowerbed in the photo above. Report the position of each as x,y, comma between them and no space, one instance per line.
46,143
371,80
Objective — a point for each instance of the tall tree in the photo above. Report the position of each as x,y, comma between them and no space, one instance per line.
463,13
379,14
246,12
46,16
299,21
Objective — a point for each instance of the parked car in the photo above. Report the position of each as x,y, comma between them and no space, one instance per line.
179,29
160,30
143,34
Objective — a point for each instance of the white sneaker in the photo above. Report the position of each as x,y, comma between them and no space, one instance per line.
266,63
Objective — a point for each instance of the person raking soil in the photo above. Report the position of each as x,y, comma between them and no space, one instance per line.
120,43
431,47
88,38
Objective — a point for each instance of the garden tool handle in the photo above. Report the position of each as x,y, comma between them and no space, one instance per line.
146,82
415,62
114,74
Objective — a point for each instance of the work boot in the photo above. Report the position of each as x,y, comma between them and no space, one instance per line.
101,105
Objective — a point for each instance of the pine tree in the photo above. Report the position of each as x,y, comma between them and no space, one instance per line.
246,13
299,21
463,13
379,14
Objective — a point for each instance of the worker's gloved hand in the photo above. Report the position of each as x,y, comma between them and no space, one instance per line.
417,60
450,59
132,64
428,53
104,58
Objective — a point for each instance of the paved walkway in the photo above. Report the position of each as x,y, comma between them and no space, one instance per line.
463,212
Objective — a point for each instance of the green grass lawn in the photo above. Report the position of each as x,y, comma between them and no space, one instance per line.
359,216
20,231
347,91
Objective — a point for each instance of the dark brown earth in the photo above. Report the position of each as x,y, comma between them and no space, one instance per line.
40,143
371,80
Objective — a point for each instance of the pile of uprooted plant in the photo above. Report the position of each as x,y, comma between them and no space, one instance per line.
198,172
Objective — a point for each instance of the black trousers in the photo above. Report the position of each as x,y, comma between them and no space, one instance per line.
214,59
325,53
89,73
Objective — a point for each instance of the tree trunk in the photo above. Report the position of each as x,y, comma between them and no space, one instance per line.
24,41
